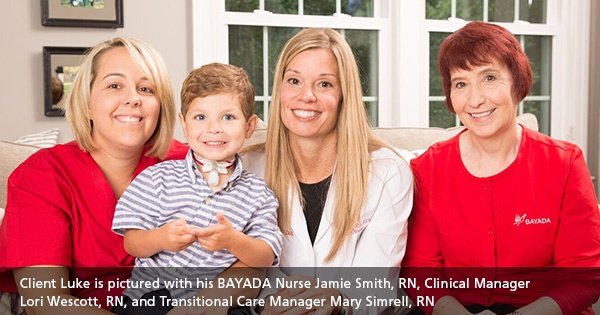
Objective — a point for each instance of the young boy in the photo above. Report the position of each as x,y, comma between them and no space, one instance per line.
204,211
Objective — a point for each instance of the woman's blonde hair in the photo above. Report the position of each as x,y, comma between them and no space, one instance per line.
353,136
76,103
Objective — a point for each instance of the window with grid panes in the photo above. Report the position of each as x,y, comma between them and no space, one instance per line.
505,12
255,41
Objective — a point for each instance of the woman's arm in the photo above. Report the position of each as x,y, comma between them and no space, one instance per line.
577,246
423,253
380,241
388,204
52,277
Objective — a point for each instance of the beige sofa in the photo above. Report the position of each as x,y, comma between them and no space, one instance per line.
409,139
412,141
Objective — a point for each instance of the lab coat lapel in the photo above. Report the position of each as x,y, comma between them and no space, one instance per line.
327,217
299,226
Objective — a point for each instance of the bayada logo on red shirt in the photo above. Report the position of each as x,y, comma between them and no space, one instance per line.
523,219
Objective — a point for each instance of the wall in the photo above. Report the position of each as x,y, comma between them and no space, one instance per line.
593,157
166,25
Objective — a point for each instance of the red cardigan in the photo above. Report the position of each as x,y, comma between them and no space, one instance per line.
541,211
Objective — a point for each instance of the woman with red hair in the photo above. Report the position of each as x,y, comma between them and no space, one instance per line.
500,196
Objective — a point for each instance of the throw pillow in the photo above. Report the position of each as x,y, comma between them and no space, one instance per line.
44,139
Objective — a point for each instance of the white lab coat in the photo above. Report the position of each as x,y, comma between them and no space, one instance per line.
377,240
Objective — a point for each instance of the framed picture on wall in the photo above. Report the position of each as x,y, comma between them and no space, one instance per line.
61,64
83,13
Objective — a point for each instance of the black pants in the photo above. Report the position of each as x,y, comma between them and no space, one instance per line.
496,308
158,309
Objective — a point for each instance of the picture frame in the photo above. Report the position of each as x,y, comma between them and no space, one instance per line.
61,64
82,13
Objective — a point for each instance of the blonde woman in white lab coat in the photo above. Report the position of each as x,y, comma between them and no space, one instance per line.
344,195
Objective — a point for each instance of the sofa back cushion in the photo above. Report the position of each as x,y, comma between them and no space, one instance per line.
11,155
407,138
404,138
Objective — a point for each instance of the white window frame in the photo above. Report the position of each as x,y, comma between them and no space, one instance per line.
404,55
210,44
568,22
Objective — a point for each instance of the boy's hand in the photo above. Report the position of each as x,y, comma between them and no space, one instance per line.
218,236
176,235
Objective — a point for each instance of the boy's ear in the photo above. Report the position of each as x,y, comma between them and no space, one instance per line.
251,125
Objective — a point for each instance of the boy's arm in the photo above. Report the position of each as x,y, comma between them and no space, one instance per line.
138,213
250,251
173,236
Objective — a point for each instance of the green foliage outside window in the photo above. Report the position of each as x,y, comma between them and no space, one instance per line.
362,8
537,48
246,45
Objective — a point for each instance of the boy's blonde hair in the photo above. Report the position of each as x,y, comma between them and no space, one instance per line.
216,78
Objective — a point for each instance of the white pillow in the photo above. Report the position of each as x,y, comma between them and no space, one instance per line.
405,154
44,139
417,153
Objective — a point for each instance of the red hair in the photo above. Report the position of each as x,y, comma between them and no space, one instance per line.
478,44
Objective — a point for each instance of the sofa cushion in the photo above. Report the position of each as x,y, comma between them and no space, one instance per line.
11,155
405,139
408,138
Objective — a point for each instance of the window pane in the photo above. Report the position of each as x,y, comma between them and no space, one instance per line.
439,115
501,11
469,10
278,36
435,80
533,11
241,5
282,6
372,109
259,110
541,110
246,51
364,46
361,8
539,51
319,7
438,9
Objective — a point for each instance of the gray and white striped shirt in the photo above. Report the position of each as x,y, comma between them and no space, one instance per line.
176,190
